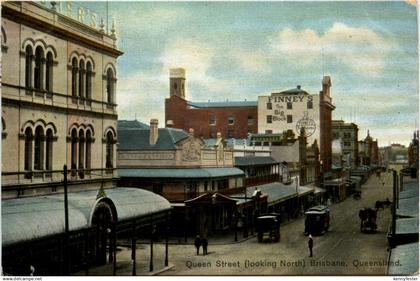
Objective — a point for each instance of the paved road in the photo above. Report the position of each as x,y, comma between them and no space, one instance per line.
341,251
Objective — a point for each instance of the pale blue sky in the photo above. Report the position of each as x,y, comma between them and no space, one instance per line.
239,50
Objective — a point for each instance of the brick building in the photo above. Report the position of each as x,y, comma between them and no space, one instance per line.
368,151
233,119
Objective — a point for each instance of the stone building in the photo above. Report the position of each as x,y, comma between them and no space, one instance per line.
347,133
59,108
233,119
295,109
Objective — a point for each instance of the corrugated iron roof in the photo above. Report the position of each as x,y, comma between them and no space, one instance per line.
36,217
131,124
180,172
140,139
254,160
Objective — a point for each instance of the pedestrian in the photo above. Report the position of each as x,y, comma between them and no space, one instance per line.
310,245
204,242
197,243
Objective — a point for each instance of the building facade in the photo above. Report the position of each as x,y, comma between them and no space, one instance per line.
59,108
368,151
196,178
58,101
295,109
233,119
347,133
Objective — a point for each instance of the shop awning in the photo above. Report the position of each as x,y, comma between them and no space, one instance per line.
407,257
30,218
180,173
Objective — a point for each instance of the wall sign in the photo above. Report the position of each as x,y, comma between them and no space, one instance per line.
308,124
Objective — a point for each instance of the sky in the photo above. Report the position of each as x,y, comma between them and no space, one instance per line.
240,50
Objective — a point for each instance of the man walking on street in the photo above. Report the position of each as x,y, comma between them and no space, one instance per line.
197,243
310,245
204,242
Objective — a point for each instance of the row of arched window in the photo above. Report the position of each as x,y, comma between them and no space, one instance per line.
36,66
81,79
39,149
39,74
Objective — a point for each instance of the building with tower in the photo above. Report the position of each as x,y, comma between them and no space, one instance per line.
368,151
233,119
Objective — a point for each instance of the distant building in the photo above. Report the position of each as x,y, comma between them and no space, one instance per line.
295,109
413,151
347,133
368,151
233,119
395,153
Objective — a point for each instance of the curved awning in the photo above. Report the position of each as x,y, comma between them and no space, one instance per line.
31,218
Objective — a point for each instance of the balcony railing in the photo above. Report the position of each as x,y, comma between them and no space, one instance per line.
51,176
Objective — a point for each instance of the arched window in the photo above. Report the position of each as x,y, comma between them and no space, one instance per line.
39,67
74,77
39,148
88,80
81,79
81,149
109,150
73,149
28,149
88,149
110,85
49,73
28,67
49,150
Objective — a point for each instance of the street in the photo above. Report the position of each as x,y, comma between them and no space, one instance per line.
343,250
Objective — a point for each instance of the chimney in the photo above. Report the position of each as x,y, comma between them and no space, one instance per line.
154,131
191,132
298,86
169,124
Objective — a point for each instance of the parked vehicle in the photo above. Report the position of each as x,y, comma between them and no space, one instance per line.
317,220
268,224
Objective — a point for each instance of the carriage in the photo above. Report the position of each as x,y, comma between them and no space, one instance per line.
317,220
368,220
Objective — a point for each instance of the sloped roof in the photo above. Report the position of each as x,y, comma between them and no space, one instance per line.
254,160
131,124
140,139
295,91
180,172
223,104
31,218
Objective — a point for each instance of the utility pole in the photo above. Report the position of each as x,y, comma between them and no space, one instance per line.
394,201
66,225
